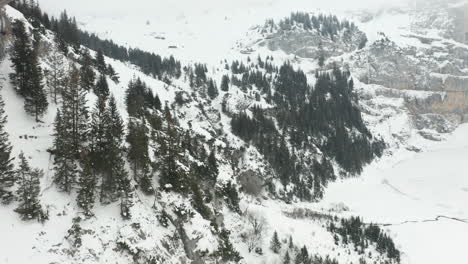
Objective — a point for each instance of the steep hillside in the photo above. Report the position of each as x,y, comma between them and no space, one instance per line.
204,173
174,140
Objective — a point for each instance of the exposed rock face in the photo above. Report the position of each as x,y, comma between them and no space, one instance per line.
306,44
460,14
429,58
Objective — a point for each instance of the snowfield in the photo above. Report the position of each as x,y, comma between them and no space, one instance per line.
421,197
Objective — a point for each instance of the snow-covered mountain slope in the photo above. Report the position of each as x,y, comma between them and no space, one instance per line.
420,197
165,228
419,207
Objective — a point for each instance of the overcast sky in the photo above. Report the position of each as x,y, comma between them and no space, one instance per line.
118,7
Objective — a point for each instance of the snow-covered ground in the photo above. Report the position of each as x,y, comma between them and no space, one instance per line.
422,197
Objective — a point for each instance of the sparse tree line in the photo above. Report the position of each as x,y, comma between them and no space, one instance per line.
69,35
354,231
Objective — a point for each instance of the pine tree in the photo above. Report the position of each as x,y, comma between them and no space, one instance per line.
113,75
28,191
138,156
87,74
212,89
287,258
101,89
56,75
225,248
101,65
64,162
35,99
275,244
20,58
302,256
87,186
98,139
115,178
75,112
225,83
6,165
212,165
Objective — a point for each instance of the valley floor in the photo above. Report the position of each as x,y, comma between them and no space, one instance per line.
420,197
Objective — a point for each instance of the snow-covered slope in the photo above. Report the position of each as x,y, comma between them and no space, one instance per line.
416,191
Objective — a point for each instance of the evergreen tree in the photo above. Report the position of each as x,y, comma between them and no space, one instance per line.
212,89
87,74
101,65
20,58
56,75
212,165
226,250
275,244
6,165
114,76
225,83
115,178
87,186
75,111
102,87
138,155
100,121
302,256
287,258
64,162
35,102
28,191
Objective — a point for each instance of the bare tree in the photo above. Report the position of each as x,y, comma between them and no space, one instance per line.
254,235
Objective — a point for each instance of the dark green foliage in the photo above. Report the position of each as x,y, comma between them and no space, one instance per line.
328,26
28,191
87,74
87,187
229,192
212,89
75,111
226,251
113,74
287,258
74,233
20,57
138,156
35,101
27,78
64,158
212,165
275,244
6,165
100,62
225,83
71,132
68,33
101,89
360,234
198,200
140,98
302,256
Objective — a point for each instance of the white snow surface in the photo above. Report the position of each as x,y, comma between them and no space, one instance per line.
421,196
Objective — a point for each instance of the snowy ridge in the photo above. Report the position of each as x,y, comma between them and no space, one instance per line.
397,191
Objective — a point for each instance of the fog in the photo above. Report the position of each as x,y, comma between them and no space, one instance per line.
151,7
